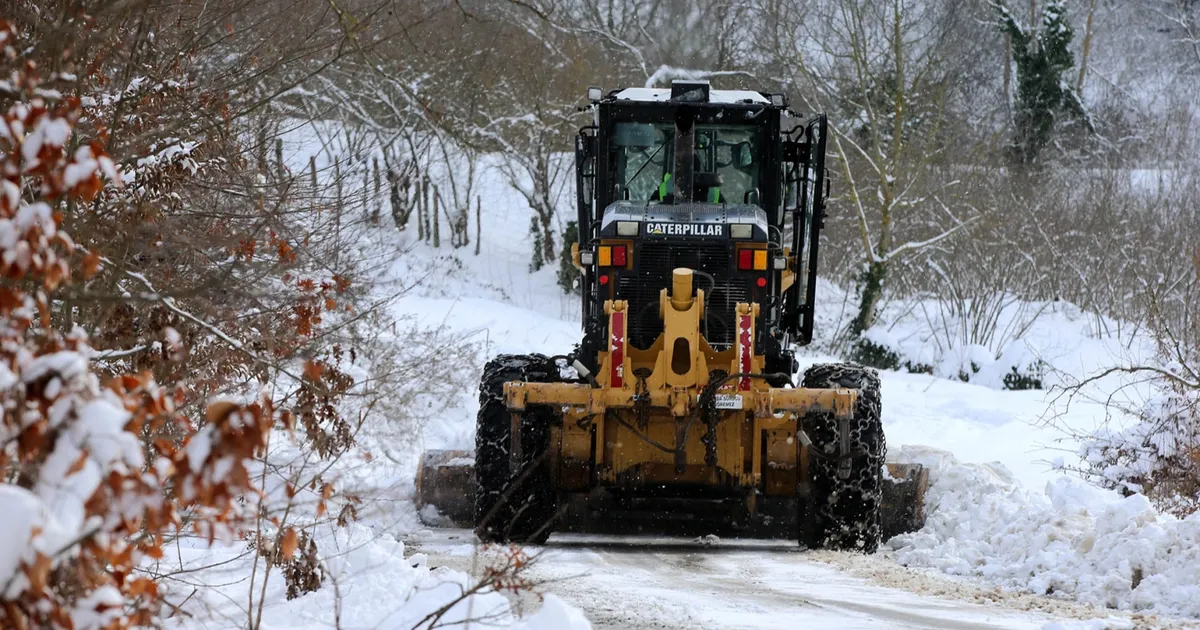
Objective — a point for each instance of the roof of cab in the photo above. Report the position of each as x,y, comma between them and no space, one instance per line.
715,96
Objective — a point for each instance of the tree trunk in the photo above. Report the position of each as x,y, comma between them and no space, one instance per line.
1087,49
548,253
872,293
1008,56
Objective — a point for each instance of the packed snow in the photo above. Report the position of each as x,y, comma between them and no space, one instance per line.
715,96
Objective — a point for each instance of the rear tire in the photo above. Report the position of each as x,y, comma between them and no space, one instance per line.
513,503
844,514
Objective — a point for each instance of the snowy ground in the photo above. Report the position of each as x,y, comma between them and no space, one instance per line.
732,584
1010,542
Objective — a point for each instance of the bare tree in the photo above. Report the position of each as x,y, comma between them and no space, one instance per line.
884,71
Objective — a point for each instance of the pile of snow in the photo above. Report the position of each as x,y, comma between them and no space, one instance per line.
1070,541
369,584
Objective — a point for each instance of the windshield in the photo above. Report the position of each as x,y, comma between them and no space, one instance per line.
645,156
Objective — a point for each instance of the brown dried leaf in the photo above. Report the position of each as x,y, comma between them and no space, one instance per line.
79,463
38,572
313,370
91,264
288,546
218,411
143,586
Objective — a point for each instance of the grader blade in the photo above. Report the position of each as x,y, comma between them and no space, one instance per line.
903,507
446,481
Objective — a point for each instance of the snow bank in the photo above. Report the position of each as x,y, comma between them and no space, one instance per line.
369,584
1071,541
1030,345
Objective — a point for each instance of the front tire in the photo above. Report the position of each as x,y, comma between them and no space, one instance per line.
844,513
514,503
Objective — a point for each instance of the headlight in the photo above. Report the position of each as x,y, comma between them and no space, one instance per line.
741,230
587,259
627,228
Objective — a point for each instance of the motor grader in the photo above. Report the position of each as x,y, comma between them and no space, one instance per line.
699,214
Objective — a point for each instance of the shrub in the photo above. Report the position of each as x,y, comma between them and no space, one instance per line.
873,354
1158,456
84,502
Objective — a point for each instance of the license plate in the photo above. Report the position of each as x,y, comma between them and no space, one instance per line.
728,401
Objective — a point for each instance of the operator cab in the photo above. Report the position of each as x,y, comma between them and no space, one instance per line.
717,181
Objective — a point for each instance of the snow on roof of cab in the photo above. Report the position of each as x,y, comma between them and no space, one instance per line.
715,96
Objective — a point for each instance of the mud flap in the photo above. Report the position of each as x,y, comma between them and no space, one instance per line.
446,480
902,509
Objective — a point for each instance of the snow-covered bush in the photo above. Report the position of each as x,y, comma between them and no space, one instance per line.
1158,456
1014,368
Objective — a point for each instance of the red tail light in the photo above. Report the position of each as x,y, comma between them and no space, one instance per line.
745,259
618,255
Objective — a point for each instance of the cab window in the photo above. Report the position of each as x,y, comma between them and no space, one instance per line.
644,158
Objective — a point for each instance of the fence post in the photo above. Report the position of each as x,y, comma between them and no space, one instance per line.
437,242
478,223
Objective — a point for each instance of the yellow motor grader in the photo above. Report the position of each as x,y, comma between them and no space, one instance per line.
700,212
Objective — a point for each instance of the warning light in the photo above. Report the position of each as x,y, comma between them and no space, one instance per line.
745,259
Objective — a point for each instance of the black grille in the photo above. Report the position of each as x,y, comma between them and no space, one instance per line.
653,263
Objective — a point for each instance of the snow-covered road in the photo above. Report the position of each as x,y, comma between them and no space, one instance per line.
667,583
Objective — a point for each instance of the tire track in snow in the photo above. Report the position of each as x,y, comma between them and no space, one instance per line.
671,583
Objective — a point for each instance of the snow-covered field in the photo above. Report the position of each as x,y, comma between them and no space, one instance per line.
1011,542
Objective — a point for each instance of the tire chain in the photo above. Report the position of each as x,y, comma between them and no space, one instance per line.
844,514
512,505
